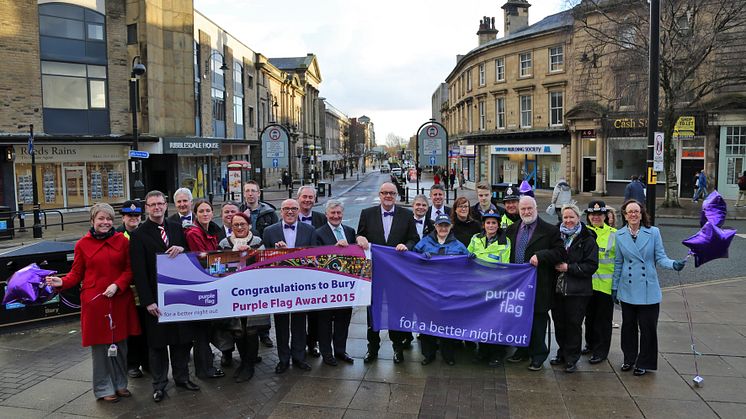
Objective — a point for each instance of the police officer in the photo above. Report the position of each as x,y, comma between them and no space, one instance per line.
510,201
600,311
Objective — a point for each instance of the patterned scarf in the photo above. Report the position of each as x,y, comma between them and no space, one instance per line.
568,234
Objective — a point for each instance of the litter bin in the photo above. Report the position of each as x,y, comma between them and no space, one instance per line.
6,223
321,189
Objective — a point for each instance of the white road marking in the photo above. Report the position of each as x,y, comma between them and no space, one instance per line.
743,236
362,198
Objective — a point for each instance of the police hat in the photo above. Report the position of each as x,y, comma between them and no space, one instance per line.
442,219
491,214
511,194
131,207
596,206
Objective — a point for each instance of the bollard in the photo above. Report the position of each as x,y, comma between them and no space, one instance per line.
455,194
210,197
21,219
329,190
37,221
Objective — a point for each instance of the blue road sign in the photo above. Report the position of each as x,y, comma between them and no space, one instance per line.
136,154
275,163
432,160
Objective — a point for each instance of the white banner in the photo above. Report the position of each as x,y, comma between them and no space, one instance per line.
200,286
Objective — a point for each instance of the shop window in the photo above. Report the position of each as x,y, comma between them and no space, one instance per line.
627,157
735,152
556,108
526,111
500,113
500,69
556,58
482,75
526,64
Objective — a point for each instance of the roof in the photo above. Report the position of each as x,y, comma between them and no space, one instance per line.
291,63
549,23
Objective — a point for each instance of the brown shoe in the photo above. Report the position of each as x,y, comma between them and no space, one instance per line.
111,399
124,393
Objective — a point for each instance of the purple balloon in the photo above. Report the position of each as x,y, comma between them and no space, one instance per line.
710,242
714,210
526,189
27,286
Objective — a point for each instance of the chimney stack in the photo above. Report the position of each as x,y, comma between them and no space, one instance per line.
516,15
487,31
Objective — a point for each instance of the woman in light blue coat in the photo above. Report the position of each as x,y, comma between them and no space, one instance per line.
639,248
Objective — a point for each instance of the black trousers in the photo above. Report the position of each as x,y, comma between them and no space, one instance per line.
264,330
537,348
374,338
567,314
598,323
333,327
312,333
290,333
159,364
645,319
430,344
203,357
137,345
247,344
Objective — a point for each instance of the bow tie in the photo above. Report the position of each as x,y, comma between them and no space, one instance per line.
186,218
388,213
292,227
303,219
418,221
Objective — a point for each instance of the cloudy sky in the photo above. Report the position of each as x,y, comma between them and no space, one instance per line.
380,58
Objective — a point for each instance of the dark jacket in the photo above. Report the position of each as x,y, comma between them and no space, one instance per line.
465,230
324,236
430,244
635,190
402,231
549,248
582,262
266,217
429,213
274,234
318,219
145,244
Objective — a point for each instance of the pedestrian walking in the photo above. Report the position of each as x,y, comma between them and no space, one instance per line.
701,184
635,190
741,189
599,314
452,178
107,315
462,180
561,195
635,286
574,287
436,178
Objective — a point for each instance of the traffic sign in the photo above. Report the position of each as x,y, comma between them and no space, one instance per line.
136,154
275,163
432,160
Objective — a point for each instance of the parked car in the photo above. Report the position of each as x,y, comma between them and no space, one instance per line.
385,168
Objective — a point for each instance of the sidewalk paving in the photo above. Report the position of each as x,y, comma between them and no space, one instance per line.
45,373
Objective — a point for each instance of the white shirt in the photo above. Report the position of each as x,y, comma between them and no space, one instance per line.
334,229
290,234
387,221
420,226
434,214
309,221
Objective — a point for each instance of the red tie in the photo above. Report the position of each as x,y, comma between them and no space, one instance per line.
164,237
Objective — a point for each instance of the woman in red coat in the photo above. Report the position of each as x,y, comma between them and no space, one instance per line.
203,237
107,316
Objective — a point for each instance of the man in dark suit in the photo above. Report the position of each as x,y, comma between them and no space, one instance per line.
387,225
333,324
290,328
437,196
227,211
157,235
306,200
183,202
537,242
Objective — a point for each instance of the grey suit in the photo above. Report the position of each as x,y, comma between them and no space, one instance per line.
290,329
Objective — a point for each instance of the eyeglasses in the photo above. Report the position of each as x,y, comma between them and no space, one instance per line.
240,225
465,206
387,193
291,209
157,204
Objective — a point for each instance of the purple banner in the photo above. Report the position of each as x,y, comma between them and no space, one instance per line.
193,298
452,297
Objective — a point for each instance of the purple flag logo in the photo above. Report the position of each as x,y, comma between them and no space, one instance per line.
193,298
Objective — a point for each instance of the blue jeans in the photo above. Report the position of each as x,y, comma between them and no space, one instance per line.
700,192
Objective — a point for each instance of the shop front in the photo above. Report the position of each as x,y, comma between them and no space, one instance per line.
72,175
197,164
467,154
539,164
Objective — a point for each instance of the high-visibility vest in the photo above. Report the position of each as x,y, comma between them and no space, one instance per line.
606,240
505,221
495,252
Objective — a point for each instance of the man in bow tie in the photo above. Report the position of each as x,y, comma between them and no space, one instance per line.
437,196
183,201
419,208
290,329
306,199
387,225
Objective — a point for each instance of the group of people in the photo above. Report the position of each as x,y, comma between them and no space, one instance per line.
582,270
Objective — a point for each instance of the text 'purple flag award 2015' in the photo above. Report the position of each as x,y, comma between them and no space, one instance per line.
452,297
213,285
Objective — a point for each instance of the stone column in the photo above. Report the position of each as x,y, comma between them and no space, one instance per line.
600,166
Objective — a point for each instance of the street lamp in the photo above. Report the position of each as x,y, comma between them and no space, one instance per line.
138,69
34,187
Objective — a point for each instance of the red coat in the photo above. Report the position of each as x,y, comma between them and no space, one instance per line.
199,240
98,264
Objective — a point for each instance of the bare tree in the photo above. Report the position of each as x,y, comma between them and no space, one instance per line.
702,54
395,144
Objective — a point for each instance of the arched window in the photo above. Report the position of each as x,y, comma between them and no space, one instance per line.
238,99
73,69
217,75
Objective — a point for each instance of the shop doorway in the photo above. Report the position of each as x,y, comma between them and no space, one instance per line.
689,168
589,174
76,188
529,171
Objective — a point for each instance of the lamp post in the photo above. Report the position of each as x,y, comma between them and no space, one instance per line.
34,187
138,69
